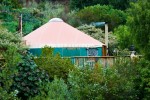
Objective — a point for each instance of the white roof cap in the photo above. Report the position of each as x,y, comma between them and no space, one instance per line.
56,20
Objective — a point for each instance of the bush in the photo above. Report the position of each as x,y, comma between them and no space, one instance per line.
9,56
103,83
124,36
7,39
28,78
142,80
7,70
84,84
54,65
56,90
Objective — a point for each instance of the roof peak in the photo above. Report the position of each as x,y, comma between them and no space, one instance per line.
56,20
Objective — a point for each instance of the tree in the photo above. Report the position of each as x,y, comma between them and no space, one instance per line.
118,4
79,4
139,23
98,13
124,37
12,3
121,4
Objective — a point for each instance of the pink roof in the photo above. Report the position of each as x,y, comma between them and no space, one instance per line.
59,34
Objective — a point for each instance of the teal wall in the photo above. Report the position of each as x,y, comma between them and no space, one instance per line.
67,52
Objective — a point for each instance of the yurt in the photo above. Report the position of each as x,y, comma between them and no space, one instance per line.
65,39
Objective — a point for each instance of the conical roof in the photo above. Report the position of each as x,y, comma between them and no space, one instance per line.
57,33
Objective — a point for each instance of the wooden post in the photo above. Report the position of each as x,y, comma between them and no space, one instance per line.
104,50
20,25
106,37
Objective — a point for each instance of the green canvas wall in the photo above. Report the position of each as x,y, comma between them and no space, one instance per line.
67,52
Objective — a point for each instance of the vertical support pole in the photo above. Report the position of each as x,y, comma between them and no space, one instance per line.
20,25
104,49
106,37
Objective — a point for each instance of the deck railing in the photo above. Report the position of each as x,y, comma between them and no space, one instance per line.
101,60
104,61
82,61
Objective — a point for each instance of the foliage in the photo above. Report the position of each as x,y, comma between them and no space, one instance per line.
142,81
54,65
9,46
8,18
7,70
28,78
97,33
8,96
84,84
103,83
12,3
50,10
139,24
55,90
72,18
138,21
7,39
124,37
9,58
104,13
32,17
119,4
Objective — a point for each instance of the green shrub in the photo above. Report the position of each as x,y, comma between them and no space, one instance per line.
98,83
54,65
103,83
124,37
142,80
55,90
8,39
29,77
7,70
9,56
84,84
